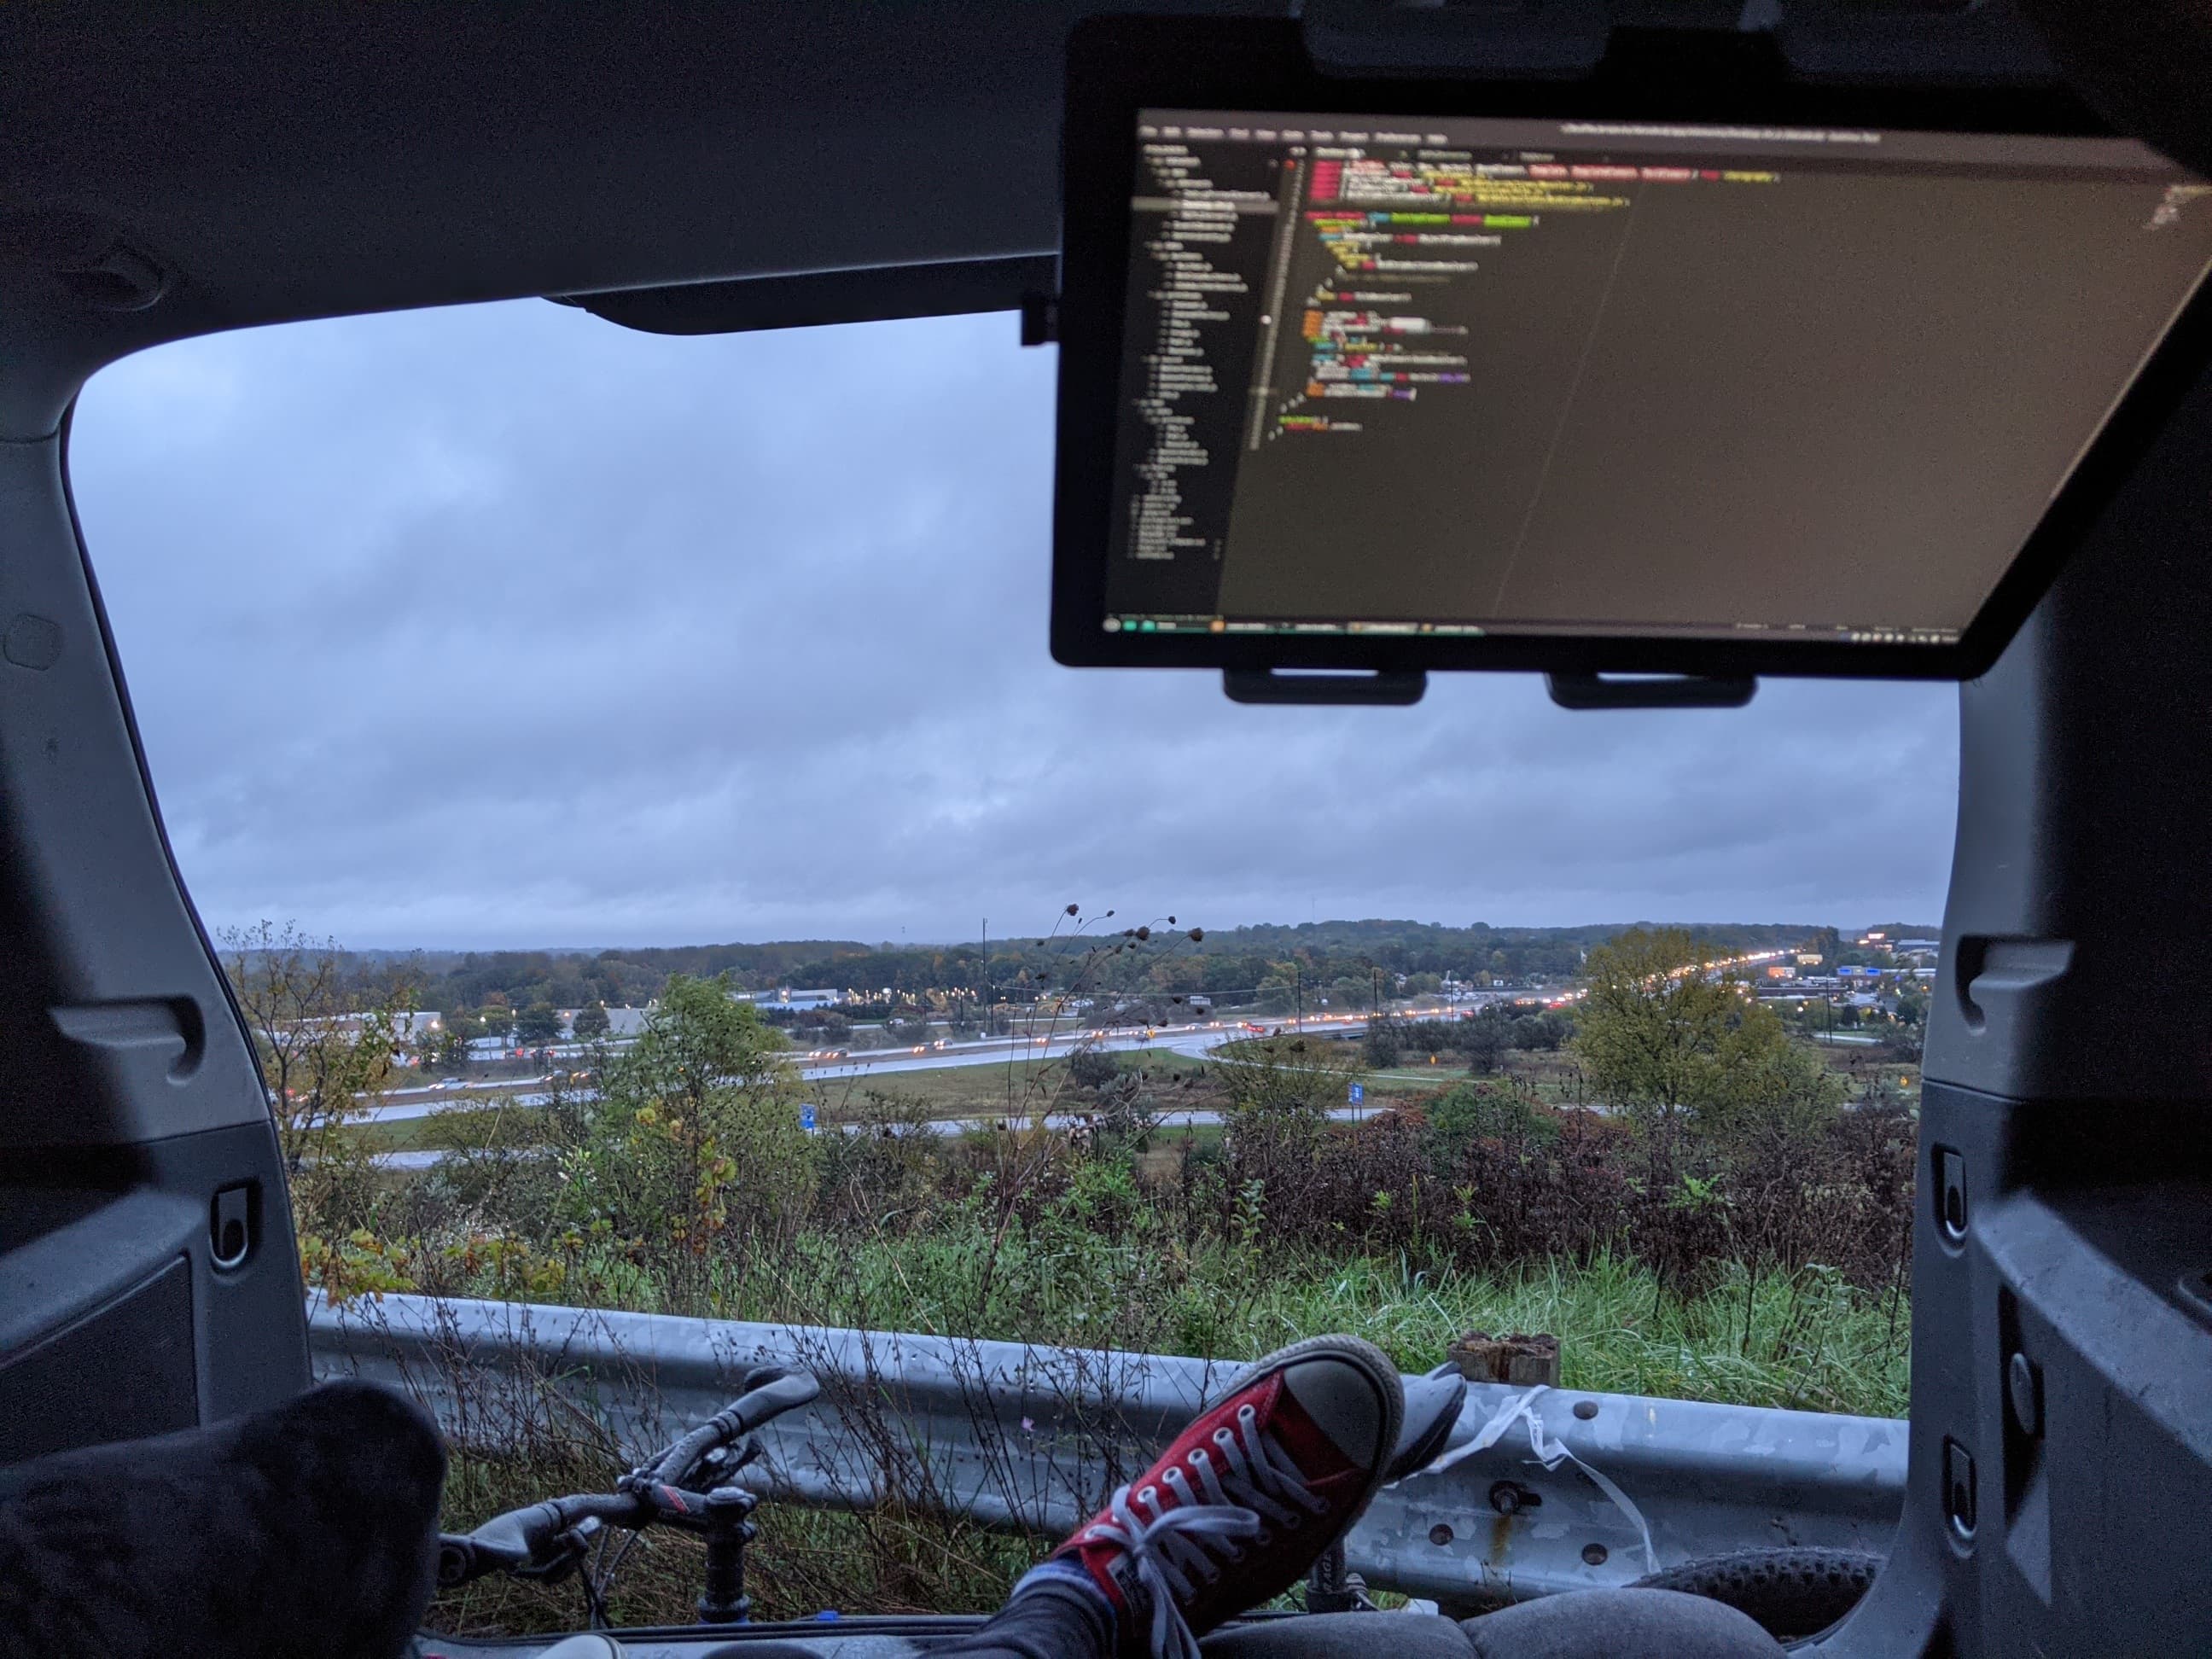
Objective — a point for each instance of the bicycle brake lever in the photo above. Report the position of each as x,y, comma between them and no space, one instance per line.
720,1463
562,1554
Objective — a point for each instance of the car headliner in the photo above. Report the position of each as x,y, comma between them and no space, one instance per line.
281,162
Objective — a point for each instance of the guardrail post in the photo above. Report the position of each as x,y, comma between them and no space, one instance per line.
1526,1361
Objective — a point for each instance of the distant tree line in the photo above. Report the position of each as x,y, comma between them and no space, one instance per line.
1272,969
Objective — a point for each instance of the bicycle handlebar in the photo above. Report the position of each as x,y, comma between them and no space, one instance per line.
770,1391
543,1535
527,1538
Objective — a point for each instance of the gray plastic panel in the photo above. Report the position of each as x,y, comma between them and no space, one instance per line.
129,1100
115,1025
2075,941
140,1344
80,1349
2062,1315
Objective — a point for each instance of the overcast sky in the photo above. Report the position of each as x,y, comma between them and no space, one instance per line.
506,626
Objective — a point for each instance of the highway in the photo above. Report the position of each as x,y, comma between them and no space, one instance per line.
1193,1040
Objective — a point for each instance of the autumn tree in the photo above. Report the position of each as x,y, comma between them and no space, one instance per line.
326,1047
695,1137
452,1049
1671,1039
538,1023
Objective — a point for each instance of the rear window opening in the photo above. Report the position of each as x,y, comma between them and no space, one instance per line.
662,870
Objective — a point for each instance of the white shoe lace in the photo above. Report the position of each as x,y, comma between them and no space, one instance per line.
1170,1547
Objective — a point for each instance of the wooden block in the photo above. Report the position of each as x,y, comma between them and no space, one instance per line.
1519,1358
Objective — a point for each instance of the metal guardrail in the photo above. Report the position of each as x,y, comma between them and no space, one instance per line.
1037,1438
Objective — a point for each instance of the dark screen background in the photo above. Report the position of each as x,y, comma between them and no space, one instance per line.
1839,400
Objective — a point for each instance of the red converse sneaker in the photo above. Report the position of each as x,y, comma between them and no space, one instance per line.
1246,1497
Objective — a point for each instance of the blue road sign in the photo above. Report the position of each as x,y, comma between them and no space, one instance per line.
1357,1093
806,1119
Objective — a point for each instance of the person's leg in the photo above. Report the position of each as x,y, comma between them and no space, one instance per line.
1337,1635
1049,1616
1605,1624
1231,1515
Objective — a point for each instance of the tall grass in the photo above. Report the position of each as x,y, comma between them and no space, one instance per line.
1811,1344
1808,1343
1804,1342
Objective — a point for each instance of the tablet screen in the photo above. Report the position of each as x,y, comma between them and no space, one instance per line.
1483,377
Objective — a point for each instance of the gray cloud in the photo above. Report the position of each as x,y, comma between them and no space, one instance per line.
504,625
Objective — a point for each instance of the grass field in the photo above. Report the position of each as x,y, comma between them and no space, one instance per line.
1414,1079
946,1092
478,1123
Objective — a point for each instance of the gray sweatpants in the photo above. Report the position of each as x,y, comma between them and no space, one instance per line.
1643,1624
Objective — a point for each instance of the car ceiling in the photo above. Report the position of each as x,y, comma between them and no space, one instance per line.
273,162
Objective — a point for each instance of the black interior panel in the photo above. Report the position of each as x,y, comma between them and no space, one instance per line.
116,1319
138,1348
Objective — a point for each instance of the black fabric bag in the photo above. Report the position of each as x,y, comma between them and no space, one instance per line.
310,1530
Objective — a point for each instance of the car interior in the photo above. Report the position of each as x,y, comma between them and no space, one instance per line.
174,171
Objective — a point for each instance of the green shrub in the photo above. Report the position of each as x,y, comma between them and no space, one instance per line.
1483,1111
